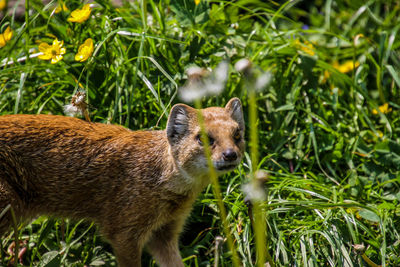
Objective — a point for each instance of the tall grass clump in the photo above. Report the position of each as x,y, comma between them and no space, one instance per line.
319,82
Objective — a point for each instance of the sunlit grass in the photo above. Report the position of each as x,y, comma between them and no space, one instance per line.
325,129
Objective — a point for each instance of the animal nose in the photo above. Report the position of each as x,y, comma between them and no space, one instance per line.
229,155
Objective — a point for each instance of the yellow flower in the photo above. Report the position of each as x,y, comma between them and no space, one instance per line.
80,15
52,52
3,4
61,7
85,50
347,66
197,2
383,109
5,36
306,47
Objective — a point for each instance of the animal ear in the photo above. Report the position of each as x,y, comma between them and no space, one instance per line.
234,108
178,122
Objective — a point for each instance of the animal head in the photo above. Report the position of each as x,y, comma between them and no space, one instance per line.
224,128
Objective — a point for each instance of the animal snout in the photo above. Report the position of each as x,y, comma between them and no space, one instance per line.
229,155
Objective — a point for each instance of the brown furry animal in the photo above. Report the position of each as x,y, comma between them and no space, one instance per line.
138,186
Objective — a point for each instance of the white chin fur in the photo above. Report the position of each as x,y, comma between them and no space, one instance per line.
222,166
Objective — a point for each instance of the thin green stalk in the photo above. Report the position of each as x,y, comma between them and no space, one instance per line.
27,30
259,224
130,92
16,237
216,187
143,7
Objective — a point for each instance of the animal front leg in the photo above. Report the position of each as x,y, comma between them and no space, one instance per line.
163,245
127,250
128,257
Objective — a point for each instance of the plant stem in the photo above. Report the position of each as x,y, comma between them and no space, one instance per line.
259,224
216,187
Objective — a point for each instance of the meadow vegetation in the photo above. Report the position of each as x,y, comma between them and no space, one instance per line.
321,102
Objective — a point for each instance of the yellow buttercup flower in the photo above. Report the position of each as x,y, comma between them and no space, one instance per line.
383,109
61,7
80,15
197,2
85,50
347,66
52,52
3,4
306,47
5,36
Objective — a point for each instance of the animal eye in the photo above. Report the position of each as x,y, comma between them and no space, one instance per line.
211,140
237,136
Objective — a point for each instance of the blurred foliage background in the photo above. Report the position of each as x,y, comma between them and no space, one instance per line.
327,124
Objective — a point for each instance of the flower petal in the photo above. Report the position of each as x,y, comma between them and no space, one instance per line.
45,57
8,34
55,59
44,47
2,41
85,50
78,57
88,42
80,15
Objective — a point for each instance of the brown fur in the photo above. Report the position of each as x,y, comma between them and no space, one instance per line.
138,186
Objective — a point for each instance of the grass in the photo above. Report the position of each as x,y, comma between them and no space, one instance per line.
320,129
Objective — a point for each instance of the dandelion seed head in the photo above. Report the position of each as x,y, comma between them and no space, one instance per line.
235,25
71,110
263,81
192,91
359,248
203,83
261,176
195,71
77,106
221,71
79,99
254,191
243,65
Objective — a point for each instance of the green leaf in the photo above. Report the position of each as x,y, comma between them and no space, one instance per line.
50,259
188,13
394,74
387,206
369,215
